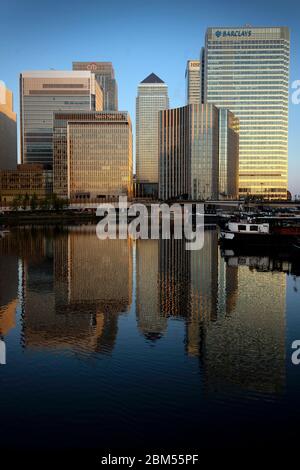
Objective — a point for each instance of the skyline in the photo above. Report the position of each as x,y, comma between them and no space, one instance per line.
139,40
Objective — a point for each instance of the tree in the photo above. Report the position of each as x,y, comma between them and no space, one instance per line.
34,202
17,202
45,203
58,203
25,202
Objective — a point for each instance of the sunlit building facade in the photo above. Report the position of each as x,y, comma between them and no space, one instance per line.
152,97
8,129
43,93
92,155
246,70
105,76
198,152
27,179
192,82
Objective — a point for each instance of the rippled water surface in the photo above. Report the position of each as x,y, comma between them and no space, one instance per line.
144,344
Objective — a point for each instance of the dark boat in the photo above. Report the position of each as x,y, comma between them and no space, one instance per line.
262,231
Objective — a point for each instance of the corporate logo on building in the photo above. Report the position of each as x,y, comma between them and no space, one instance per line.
110,117
92,67
234,33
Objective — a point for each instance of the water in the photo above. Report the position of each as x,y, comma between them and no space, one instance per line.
143,344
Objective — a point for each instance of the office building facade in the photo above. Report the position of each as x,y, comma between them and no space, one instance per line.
246,70
26,179
198,152
192,82
105,76
92,155
41,94
229,128
152,97
8,130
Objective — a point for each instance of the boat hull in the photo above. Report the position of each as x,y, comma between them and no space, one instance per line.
264,239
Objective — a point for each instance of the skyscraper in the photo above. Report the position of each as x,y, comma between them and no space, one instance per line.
247,71
152,97
105,76
8,130
41,94
198,152
192,81
92,155
228,154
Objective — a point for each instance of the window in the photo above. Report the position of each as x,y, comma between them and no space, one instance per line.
242,227
253,228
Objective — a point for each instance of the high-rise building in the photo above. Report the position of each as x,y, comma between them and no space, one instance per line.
228,154
8,130
192,81
152,97
105,76
41,94
92,155
247,71
198,153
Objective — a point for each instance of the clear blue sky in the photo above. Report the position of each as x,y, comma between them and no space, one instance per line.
138,37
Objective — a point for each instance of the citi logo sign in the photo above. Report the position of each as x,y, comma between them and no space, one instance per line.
234,33
92,67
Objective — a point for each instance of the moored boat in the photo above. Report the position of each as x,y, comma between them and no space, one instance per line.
262,231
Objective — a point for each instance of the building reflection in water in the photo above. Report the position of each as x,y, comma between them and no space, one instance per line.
151,322
247,348
232,322
75,287
8,285
75,293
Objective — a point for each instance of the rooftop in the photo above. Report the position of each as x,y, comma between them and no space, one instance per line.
152,78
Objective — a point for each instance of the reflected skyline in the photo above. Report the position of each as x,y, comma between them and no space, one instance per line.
130,332
75,287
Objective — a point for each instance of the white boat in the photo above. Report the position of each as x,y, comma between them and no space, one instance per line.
238,230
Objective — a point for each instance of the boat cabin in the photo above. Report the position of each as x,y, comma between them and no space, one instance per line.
246,227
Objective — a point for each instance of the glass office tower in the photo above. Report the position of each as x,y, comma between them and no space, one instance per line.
228,155
198,153
152,98
41,94
192,82
105,76
247,71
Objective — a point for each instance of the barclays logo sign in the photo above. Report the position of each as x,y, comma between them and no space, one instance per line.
235,33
